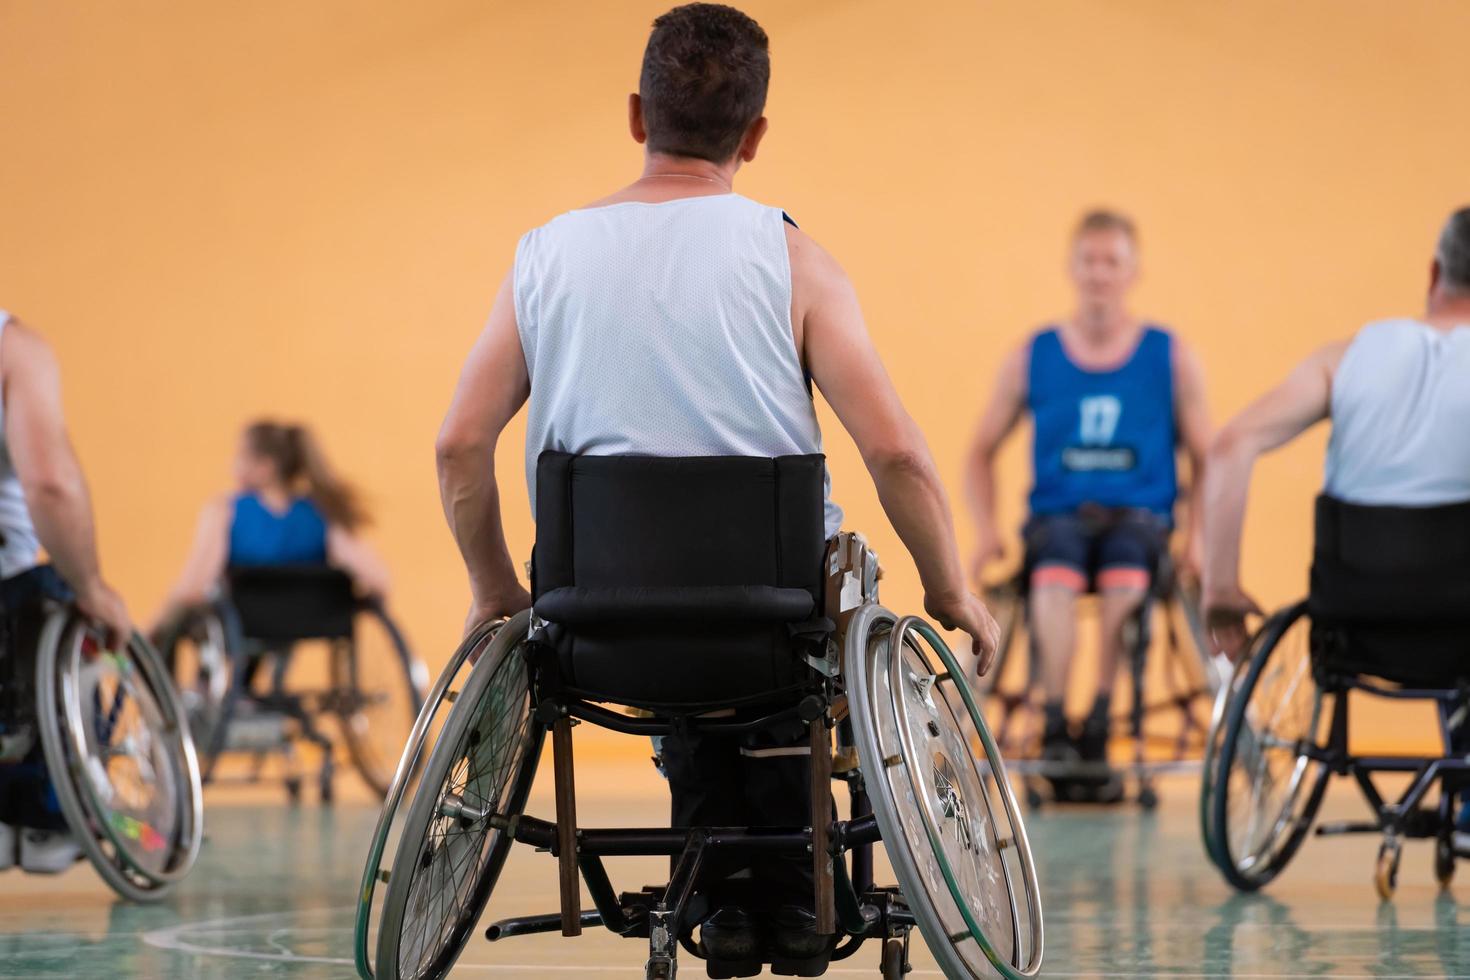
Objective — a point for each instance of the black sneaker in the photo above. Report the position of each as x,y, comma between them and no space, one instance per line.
797,949
1105,786
731,944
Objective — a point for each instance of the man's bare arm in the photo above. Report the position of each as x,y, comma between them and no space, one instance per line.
1276,418
492,388
1192,412
1000,419
847,370
55,489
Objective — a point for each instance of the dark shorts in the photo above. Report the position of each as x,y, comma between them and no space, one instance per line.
26,797
1091,544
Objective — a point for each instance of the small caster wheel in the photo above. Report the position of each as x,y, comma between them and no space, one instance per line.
1444,861
1148,797
327,793
660,969
1034,798
1386,873
293,790
895,959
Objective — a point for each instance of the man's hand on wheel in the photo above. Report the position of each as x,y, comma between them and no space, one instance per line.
967,613
99,603
501,605
1225,612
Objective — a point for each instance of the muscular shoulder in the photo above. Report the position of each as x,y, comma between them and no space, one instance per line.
23,349
813,268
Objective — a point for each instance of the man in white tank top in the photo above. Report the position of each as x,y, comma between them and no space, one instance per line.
674,317
43,504
1398,396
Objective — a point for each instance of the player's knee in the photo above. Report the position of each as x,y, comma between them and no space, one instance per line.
1123,582
1058,578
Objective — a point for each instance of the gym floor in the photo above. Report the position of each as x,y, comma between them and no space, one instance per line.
1126,895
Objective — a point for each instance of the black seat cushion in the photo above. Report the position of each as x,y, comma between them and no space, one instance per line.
292,602
1390,591
752,604
675,580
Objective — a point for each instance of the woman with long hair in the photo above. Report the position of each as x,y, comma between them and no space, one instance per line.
290,508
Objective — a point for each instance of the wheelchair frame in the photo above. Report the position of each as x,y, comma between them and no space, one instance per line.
1398,819
225,625
848,905
1190,684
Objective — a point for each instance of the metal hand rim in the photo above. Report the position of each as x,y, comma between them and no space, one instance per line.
951,666
863,627
162,689
132,882
896,679
407,765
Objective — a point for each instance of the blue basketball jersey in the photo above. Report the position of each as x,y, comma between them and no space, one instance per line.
1103,437
259,536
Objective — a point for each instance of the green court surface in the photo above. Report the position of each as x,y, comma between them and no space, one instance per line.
1125,895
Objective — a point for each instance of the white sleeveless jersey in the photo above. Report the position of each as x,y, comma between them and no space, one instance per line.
1401,417
18,543
663,330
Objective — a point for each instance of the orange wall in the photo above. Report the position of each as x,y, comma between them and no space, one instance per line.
222,209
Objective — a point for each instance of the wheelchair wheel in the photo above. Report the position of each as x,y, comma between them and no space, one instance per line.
1209,765
120,757
455,837
197,651
1266,788
378,690
440,700
949,821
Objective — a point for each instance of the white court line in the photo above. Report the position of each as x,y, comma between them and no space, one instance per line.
170,939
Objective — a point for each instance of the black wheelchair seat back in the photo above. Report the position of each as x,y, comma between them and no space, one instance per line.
278,603
669,581
1390,590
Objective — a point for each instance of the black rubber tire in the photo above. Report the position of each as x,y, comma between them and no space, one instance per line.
894,965
377,769
443,759
1272,632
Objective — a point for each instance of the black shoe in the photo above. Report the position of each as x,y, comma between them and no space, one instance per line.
1093,745
1105,786
797,949
1060,757
731,943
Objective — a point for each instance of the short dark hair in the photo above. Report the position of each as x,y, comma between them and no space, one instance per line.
1106,219
704,80
1454,252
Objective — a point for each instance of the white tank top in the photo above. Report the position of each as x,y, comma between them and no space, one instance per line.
663,330
19,547
1401,417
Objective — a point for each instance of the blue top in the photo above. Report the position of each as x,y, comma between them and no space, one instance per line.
260,536
1103,437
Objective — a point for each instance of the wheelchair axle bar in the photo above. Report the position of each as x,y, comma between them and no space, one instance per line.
656,841
529,925
628,725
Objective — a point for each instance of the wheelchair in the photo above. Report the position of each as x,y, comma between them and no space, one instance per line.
252,687
1388,616
700,593
1191,678
115,747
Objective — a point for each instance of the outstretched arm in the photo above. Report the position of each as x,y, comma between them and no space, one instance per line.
204,565
847,370
492,388
55,489
1001,416
1298,403
353,555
